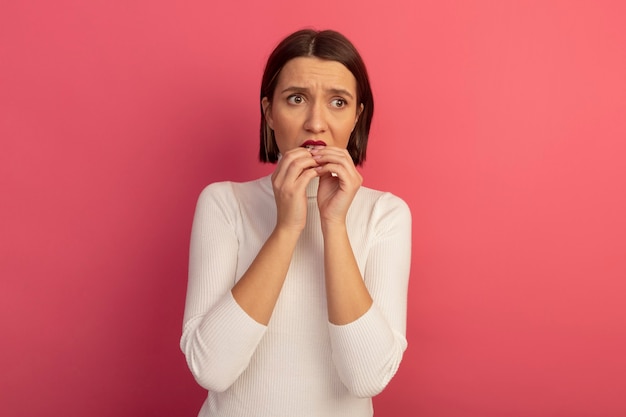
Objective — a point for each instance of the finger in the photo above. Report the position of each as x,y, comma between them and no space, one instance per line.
333,155
348,177
298,169
292,164
333,170
294,174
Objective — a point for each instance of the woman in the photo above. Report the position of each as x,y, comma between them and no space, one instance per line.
296,303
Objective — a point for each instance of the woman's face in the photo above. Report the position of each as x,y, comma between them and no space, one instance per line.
314,100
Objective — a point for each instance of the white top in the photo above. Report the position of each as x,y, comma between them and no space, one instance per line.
300,364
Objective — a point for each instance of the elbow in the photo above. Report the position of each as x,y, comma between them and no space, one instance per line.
367,382
208,374
216,360
367,389
210,383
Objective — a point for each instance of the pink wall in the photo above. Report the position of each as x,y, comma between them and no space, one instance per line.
502,124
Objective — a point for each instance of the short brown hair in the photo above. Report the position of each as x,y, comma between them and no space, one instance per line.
325,44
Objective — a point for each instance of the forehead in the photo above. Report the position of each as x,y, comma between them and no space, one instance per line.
312,72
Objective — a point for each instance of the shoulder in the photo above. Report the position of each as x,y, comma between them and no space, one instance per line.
383,201
217,192
382,212
230,190
226,198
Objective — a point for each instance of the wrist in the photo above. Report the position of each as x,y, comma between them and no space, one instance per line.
333,226
287,232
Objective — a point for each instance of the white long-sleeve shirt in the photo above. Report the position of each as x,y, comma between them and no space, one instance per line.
300,364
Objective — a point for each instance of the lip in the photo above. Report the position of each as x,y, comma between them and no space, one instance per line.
311,143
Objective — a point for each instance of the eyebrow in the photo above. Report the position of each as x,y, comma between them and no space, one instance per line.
338,91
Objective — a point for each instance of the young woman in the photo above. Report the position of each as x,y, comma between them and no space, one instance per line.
296,302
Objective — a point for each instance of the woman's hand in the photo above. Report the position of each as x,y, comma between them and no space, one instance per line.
293,173
339,182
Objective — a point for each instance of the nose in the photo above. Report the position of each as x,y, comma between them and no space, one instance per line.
316,118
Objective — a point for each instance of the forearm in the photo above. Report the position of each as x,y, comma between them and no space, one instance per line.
347,296
258,289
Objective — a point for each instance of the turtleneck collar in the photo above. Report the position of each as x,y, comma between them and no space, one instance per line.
311,188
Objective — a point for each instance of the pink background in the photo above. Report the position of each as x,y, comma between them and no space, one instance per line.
501,123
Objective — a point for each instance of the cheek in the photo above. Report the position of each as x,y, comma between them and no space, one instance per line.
287,123
347,126
285,131
281,125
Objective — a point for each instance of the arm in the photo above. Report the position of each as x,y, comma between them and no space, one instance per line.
346,294
367,352
258,289
218,337
367,314
224,323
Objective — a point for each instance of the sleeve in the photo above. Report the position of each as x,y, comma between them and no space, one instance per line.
368,351
218,337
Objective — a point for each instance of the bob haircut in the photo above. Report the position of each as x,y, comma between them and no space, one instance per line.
330,45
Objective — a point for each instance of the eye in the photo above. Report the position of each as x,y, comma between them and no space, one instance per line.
338,103
295,99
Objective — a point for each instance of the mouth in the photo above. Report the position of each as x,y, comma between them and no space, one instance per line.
309,144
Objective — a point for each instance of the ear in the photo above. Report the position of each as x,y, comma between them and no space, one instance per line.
267,112
358,115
